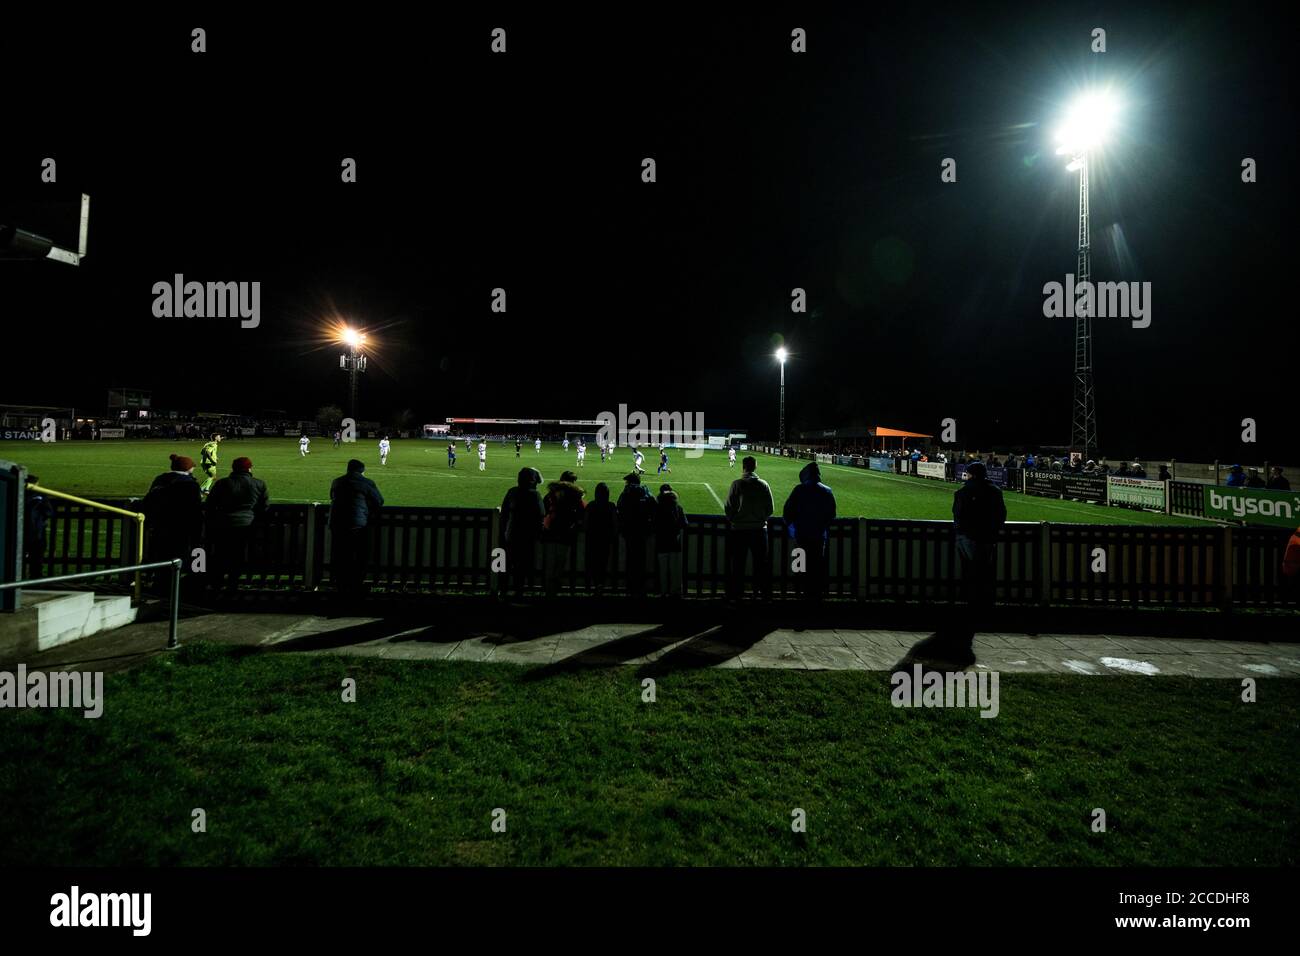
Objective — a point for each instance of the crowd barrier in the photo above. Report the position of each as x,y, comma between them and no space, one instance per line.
423,550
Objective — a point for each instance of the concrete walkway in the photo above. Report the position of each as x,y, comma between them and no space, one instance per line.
675,643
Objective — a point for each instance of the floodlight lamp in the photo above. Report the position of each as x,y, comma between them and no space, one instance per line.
1088,122
781,355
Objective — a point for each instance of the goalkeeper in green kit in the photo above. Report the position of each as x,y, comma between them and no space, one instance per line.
208,462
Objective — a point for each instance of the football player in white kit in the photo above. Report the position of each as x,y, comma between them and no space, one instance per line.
566,444
639,459
303,442
383,450
582,454
538,445
482,456
731,457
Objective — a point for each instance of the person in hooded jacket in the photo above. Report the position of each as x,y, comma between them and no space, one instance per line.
808,513
636,510
670,520
564,503
522,513
600,525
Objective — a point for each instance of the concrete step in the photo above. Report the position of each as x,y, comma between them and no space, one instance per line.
50,618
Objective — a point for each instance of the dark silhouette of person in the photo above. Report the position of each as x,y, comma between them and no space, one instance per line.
1165,474
564,503
670,522
355,501
38,511
978,513
749,505
522,513
808,513
1278,481
173,510
600,527
636,511
235,505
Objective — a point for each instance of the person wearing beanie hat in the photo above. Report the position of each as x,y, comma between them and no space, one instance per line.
354,509
236,504
173,510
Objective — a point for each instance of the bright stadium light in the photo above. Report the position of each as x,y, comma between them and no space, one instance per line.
781,354
354,362
1088,123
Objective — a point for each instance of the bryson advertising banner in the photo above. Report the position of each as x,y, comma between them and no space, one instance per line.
1137,492
1280,509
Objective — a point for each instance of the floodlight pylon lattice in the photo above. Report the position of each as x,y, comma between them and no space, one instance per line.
1083,429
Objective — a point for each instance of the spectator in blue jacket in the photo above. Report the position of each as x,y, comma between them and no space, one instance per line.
808,513
1236,477
354,507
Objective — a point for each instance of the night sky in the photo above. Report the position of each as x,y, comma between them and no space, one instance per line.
775,170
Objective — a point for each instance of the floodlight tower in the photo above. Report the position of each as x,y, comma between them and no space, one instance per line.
1086,126
781,355
353,362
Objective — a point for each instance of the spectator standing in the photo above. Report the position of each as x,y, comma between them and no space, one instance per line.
354,509
600,520
749,505
37,512
808,513
564,507
173,510
670,520
1278,481
235,505
978,513
522,512
636,509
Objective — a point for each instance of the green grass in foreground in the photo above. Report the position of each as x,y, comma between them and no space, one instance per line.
588,774
417,475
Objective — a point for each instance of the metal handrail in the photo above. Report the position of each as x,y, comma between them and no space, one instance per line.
138,516
174,564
